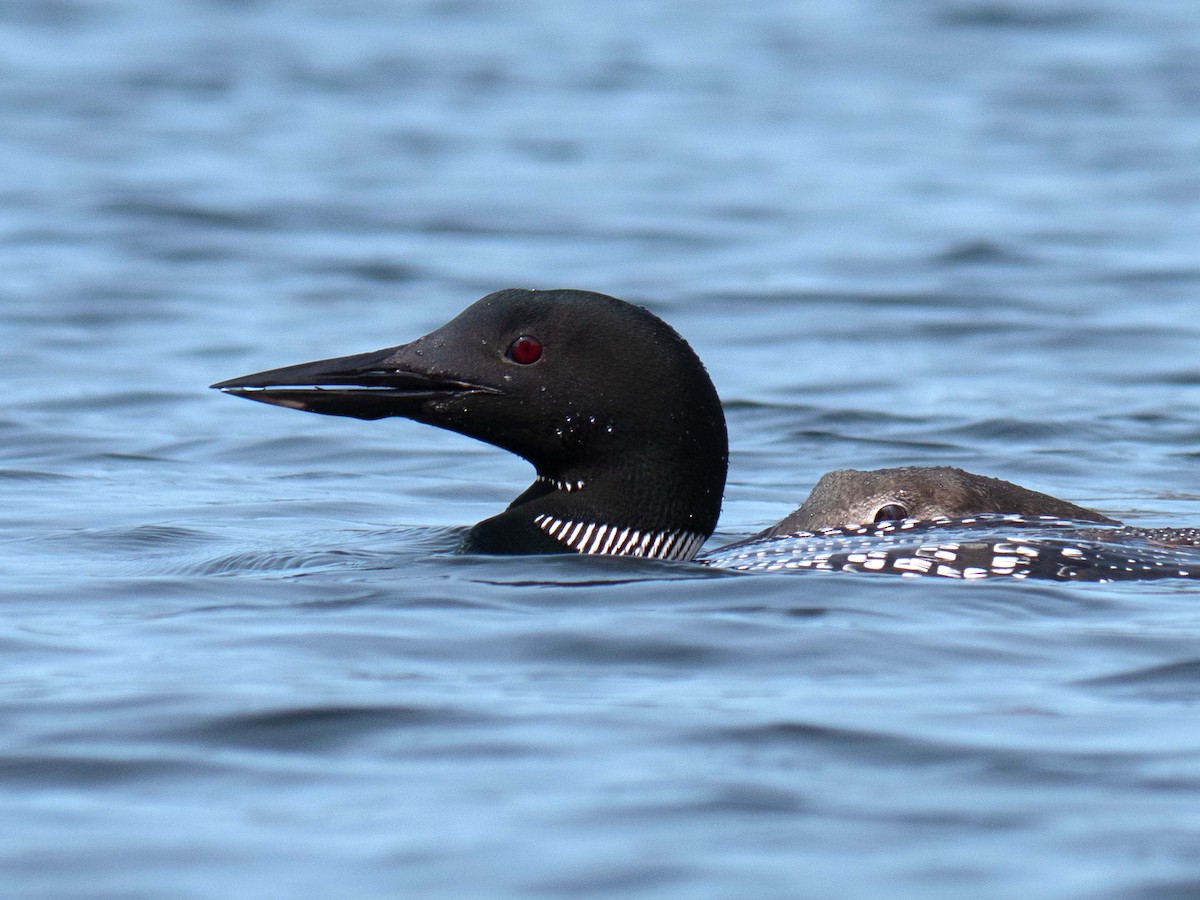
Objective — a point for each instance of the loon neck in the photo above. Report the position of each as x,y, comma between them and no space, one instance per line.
607,513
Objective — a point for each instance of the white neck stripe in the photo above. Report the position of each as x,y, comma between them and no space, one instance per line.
594,538
568,486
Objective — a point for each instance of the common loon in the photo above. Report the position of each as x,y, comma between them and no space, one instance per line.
627,436
615,412
943,521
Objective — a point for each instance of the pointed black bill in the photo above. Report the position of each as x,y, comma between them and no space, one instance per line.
371,385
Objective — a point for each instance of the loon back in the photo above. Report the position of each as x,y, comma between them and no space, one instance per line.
849,497
987,545
948,523
610,405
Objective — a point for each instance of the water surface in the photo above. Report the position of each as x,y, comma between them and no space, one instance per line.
241,658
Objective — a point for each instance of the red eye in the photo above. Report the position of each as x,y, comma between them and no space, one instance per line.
525,350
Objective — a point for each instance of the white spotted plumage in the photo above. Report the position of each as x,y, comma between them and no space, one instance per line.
978,547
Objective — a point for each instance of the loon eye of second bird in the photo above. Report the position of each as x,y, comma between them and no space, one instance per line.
891,512
525,350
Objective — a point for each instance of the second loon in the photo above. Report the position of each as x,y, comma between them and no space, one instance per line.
627,436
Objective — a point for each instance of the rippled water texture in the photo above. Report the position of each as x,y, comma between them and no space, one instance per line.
239,656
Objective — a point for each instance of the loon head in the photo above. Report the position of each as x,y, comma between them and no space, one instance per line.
610,405
850,497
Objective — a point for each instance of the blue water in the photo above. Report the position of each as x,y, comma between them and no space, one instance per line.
240,658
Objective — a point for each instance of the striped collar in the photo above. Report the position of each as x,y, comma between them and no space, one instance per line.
613,540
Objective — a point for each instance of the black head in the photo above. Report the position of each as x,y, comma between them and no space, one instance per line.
590,389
